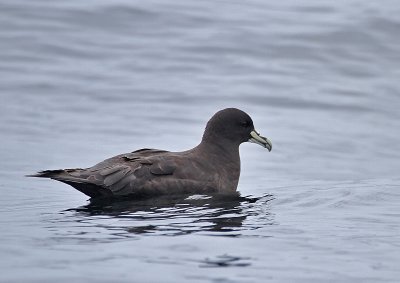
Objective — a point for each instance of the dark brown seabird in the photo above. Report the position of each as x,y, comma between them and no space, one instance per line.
211,167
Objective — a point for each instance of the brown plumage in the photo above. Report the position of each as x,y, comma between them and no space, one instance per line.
212,166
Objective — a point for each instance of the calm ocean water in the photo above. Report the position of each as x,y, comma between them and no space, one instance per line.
81,81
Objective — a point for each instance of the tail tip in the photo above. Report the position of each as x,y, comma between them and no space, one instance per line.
45,173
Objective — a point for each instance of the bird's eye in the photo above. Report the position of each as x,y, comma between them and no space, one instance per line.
245,124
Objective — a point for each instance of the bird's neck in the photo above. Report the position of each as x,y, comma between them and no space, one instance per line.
227,151
225,160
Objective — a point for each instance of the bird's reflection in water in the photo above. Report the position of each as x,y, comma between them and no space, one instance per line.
180,215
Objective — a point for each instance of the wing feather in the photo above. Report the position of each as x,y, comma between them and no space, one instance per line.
117,175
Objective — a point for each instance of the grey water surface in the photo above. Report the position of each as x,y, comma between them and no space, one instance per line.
81,81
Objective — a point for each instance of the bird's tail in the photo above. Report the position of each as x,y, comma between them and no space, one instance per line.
73,178
48,173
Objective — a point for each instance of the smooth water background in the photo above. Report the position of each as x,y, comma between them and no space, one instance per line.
84,80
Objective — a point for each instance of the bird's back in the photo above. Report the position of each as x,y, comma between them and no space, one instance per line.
139,173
